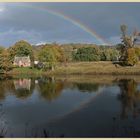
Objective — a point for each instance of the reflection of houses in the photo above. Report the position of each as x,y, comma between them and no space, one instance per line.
22,61
22,84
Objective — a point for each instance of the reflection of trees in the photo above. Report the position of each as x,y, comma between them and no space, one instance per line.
2,90
6,85
129,97
22,93
50,89
90,87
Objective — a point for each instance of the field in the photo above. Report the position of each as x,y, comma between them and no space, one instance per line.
83,68
92,68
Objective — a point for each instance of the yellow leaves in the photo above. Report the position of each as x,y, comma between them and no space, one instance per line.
55,51
132,58
5,63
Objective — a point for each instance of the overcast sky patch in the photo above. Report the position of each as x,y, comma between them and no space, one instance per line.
34,23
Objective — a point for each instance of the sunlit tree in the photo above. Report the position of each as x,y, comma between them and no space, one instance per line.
128,41
5,63
21,48
50,55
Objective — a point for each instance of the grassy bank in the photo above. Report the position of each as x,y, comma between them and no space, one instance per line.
92,68
25,71
84,68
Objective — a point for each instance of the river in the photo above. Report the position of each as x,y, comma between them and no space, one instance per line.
70,106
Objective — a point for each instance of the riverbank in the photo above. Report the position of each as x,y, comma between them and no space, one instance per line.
96,68
25,71
82,68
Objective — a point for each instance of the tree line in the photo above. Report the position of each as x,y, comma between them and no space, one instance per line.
127,52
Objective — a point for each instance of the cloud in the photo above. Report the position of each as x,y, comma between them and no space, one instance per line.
32,22
15,35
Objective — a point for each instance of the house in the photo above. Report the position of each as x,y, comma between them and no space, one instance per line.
22,61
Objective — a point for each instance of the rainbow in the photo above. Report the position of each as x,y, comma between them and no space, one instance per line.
75,22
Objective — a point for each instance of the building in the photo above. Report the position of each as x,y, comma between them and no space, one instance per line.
22,61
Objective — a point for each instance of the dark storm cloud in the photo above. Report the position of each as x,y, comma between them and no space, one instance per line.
31,22
101,15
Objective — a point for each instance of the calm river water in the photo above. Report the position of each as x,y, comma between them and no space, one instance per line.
74,106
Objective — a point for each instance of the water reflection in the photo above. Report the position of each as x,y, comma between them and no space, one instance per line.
2,90
6,85
129,97
22,84
50,89
3,122
87,87
23,88
119,100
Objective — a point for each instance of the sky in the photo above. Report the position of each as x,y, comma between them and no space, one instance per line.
38,23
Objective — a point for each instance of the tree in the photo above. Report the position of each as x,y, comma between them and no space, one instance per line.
21,48
67,50
50,55
124,30
131,57
59,52
137,51
128,41
1,49
110,54
87,54
5,63
47,56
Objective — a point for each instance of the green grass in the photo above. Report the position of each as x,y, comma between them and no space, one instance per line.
25,71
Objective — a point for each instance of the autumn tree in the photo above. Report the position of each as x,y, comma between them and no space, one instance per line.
59,52
5,63
50,55
128,42
21,48
47,56
137,50
1,49
131,57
